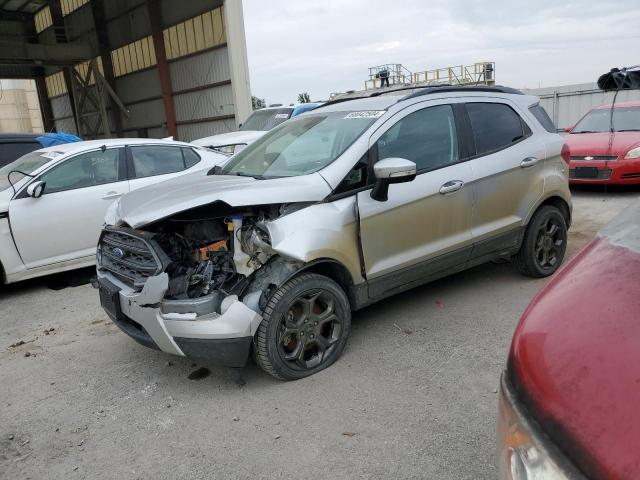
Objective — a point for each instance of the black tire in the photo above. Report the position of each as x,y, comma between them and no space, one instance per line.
544,243
308,304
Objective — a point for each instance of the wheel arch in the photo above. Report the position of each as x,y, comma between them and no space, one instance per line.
279,271
335,271
555,201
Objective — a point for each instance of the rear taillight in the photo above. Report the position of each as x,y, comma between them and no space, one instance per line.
565,153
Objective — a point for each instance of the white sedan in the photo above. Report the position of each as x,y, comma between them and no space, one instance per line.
53,201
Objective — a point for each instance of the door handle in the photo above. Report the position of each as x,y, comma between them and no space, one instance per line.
111,195
528,162
451,186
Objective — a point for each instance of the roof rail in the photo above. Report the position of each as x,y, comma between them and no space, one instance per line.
408,87
464,88
340,100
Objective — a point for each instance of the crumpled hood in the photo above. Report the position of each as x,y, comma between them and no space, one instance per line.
231,138
598,143
164,199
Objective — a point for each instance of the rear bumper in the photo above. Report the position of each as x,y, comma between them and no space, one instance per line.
618,172
216,338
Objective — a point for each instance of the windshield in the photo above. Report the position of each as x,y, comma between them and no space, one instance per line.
27,163
303,145
265,120
625,119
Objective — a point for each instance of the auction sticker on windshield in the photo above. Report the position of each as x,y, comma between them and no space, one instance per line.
366,114
52,155
282,115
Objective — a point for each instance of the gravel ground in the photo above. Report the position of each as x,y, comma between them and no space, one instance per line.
414,395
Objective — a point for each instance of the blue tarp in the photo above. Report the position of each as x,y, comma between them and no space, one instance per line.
304,107
52,139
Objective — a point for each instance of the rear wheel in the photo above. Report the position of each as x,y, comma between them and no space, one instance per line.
304,329
544,244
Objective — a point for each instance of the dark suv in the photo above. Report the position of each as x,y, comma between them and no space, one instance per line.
15,145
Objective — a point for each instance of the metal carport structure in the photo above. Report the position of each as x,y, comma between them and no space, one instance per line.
148,68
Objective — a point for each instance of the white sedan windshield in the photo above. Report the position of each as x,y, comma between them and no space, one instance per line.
301,146
28,163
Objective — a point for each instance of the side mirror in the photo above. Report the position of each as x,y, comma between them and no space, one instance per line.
36,189
568,129
388,171
239,125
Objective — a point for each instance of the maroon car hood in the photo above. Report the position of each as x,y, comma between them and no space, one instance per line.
575,356
598,143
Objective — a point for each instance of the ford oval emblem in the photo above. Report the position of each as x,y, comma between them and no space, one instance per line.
588,158
118,252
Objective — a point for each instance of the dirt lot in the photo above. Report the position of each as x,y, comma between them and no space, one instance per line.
414,395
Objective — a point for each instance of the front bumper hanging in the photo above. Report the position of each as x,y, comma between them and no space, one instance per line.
180,327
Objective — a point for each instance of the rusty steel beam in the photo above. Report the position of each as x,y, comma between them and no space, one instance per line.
155,16
61,37
45,104
104,49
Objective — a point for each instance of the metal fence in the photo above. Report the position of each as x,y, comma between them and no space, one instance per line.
567,104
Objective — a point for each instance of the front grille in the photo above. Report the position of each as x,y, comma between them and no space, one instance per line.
630,175
129,257
594,157
603,174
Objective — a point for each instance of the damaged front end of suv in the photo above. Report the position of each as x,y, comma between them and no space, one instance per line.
251,256
186,279
195,281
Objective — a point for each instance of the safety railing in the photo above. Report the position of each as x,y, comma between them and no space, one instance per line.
481,73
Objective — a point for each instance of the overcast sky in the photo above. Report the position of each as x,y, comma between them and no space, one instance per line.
324,46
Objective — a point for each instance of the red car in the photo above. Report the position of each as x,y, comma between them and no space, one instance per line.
605,149
570,395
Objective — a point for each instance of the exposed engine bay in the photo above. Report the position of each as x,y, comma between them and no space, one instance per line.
215,252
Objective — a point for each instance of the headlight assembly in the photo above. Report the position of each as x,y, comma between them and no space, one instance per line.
524,451
633,154
227,149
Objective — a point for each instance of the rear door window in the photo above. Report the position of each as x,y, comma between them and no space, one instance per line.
152,160
495,126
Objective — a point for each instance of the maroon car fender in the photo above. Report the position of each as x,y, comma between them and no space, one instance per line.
575,355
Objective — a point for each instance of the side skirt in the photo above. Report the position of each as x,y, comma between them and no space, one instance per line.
501,246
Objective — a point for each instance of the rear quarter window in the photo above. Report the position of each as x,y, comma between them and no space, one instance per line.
543,117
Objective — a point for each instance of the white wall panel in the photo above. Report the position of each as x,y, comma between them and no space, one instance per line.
201,69
212,102
67,125
138,85
191,132
145,114
61,106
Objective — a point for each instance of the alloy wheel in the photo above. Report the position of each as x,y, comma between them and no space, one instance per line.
549,244
309,330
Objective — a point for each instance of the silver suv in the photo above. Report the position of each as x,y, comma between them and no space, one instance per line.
329,212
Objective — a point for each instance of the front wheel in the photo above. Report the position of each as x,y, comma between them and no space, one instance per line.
304,328
544,243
